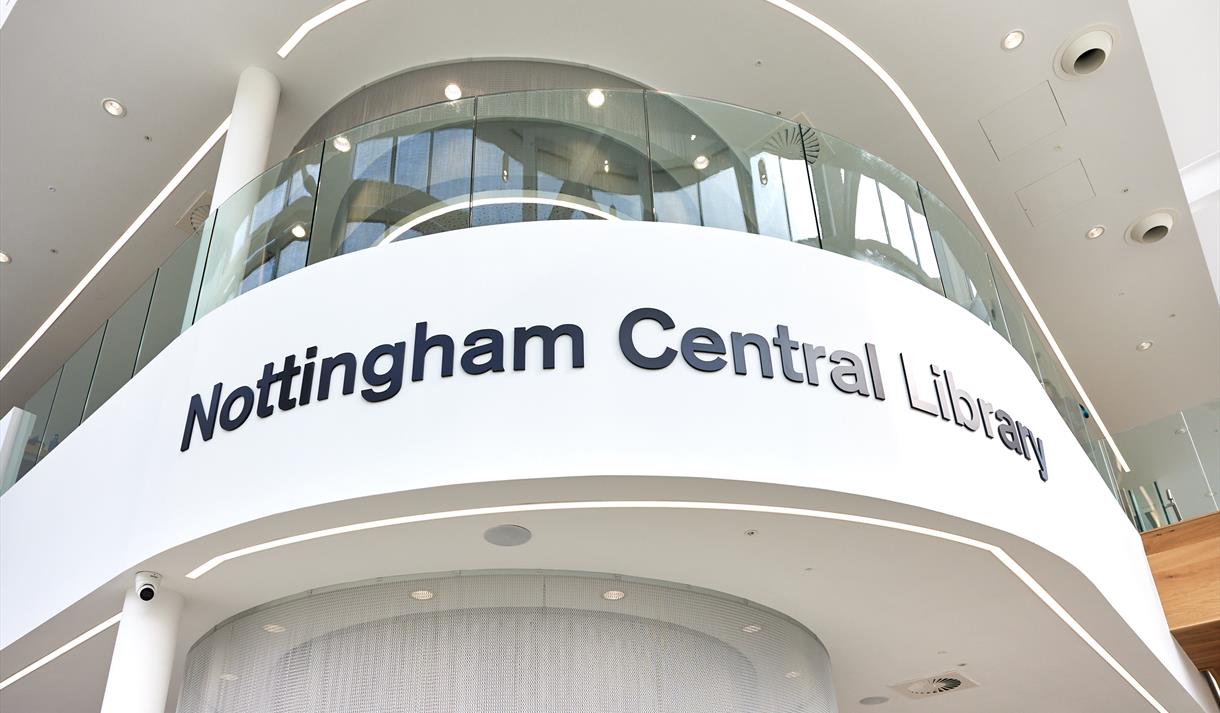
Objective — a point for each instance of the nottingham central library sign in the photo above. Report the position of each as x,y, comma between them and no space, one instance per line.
382,371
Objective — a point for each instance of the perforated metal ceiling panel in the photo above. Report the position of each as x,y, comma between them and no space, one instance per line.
509,642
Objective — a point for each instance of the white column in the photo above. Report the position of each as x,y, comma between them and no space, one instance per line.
143,656
245,149
15,430
243,157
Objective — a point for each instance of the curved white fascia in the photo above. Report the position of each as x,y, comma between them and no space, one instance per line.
123,490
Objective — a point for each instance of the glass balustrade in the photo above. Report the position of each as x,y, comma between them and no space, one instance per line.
556,155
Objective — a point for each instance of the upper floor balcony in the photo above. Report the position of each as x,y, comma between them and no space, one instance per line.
552,155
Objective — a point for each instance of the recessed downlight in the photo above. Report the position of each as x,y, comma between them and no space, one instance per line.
873,700
4,258
114,107
751,628
596,98
341,144
792,674
1095,232
274,628
228,677
1144,345
422,595
453,92
613,595
299,231
1012,40
700,162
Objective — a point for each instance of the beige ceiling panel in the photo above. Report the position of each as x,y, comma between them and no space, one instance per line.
1023,120
1054,193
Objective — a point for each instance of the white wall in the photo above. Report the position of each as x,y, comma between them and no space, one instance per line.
119,490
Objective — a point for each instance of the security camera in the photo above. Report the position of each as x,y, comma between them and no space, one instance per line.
146,585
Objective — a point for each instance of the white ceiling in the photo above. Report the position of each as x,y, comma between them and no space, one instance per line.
957,608
175,66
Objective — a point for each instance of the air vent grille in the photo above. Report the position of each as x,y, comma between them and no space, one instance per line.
938,685
194,216
795,143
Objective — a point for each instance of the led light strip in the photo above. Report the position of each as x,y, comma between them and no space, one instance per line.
868,61
895,89
1017,570
312,23
118,244
498,200
61,651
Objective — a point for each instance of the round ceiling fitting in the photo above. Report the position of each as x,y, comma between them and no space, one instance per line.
1086,53
1151,228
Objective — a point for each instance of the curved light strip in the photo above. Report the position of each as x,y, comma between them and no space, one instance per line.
61,651
846,43
312,23
498,200
865,58
118,244
1011,564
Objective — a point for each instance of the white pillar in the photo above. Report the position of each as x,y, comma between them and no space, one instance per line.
143,656
243,157
246,145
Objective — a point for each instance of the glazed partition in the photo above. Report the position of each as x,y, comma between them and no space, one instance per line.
552,155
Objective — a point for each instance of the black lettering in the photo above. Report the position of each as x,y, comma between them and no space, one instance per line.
625,344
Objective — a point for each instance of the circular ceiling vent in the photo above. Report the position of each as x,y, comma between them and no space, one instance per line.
1151,229
934,685
937,685
1086,53
794,143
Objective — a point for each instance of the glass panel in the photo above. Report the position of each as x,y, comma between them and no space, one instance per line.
1019,330
964,269
871,211
1175,466
116,362
69,405
171,310
262,231
40,406
561,155
395,178
722,166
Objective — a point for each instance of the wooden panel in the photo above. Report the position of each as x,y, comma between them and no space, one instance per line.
1185,562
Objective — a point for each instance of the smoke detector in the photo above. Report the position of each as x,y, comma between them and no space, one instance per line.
938,685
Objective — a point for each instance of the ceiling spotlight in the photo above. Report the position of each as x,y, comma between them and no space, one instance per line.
453,92
700,162
751,628
693,137
1144,345
606,166
274,628
228,677
873,700
5,259
114,107
1095,232
1013,40
341,144
422,595
1180,431
596,98
613,595
792,674
298,231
